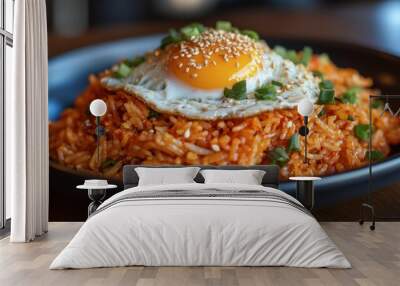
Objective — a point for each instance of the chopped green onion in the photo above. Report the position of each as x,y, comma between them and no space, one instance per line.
326,96
326,84
350,118
377,104
238,91
266,92
223,25
227,26
200,27
306,56
327,93
135,62
122,71
279,156
292,56
286,54
277,83
280,51
322,112
362,131
375,155
318,74
153,114
294,143
251,34
108,163
173,37
192,30
187,32
350,95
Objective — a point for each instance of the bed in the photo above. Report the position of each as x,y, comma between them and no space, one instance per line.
198,224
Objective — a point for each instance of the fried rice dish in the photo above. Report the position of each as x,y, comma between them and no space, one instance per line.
222,96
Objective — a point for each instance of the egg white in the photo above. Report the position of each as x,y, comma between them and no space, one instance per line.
163,92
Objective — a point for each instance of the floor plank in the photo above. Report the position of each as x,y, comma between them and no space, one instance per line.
375,257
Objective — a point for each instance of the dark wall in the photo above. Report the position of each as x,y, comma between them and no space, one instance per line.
105,12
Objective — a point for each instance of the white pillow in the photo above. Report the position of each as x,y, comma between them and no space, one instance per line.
248,177
165,176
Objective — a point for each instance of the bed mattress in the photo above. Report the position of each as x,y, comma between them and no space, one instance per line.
201,225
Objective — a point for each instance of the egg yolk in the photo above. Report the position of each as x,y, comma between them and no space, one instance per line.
210,63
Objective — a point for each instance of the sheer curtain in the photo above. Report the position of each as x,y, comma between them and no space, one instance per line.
27,124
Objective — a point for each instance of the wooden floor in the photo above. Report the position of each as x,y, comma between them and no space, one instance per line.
375,257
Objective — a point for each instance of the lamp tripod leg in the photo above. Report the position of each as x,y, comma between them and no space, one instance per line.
372,210
305,149
305,134
98,140
368,204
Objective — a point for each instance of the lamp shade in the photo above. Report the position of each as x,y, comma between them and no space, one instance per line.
98,107
305,107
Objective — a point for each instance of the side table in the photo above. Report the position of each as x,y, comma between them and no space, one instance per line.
305,190
96,192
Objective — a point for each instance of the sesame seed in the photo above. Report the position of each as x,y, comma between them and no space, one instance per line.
187,133
212,42
215,148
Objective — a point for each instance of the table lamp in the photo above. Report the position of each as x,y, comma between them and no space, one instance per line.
98,108
305,108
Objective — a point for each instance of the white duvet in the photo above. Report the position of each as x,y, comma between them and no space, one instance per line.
200,231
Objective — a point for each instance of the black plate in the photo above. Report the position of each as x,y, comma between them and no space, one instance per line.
68,77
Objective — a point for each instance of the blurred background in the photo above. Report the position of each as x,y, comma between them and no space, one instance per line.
92,13
368,22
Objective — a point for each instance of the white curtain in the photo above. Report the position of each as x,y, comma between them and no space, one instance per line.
27,124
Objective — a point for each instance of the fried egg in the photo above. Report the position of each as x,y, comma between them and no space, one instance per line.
190,78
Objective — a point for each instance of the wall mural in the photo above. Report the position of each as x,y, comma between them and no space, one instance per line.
217,95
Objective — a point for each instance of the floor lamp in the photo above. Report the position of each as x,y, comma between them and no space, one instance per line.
305,185
97,108
305,108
